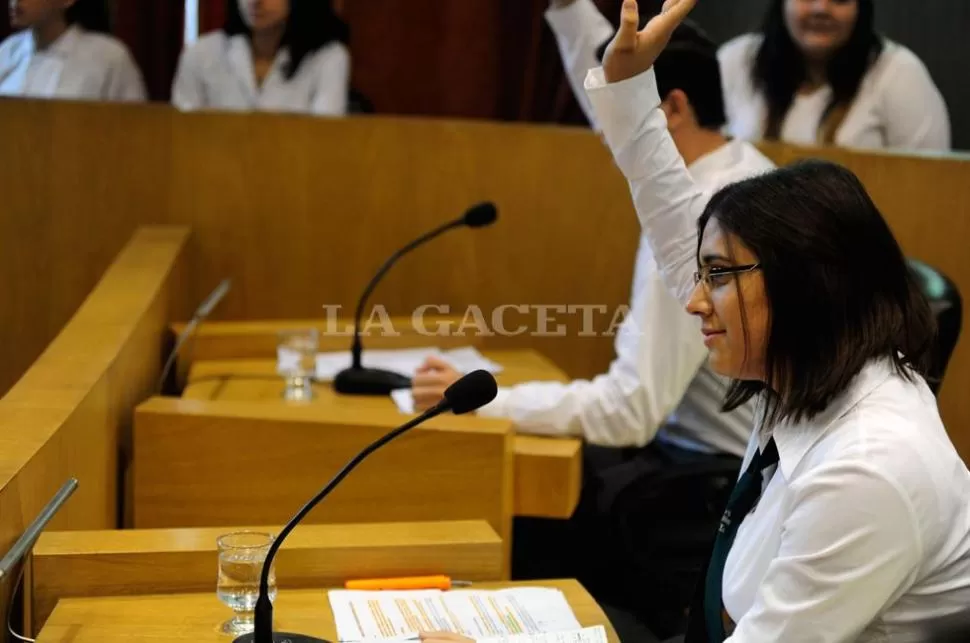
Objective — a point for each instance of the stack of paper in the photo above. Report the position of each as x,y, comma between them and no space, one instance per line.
404,361
393,615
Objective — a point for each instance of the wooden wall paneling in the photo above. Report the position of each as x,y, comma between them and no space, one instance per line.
77,179
69,415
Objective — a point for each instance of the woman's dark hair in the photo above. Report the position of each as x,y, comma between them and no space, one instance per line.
312,25
91,15
838,287
779,68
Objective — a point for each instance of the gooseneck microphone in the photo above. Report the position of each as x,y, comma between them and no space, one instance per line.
21,548
203,311
471,392
358,380
34,529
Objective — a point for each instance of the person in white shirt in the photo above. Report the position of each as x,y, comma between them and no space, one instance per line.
658,397
271,55
658,373
819,74
64,51
851,521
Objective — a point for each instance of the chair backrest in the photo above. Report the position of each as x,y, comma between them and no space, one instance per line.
947,306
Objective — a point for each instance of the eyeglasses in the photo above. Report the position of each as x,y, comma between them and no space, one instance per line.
714,276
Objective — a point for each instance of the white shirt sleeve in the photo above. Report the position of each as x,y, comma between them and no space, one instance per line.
188,90
914,111
125,81
580,29
332,69
658,354
667,200
849,548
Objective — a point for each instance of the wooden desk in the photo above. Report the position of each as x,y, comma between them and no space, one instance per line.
548,471
197,617
133,562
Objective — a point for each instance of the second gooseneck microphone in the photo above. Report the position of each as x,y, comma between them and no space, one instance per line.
359,380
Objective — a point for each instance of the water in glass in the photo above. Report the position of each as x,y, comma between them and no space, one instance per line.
241,557
296,358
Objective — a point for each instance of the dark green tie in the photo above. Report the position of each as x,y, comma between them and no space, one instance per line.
743,498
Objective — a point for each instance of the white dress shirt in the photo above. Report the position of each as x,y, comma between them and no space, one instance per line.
579,29
659,372
80,65
863,531
217,73
898,105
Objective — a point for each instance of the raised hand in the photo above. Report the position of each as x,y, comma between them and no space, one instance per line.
633,52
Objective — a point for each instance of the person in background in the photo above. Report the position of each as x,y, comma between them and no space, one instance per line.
658,397
819,74
659,364
64,51
271,55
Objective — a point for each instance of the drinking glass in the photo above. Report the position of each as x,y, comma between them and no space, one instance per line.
296,362
241,558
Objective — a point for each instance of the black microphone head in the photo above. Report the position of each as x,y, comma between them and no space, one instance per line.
471,392
481,215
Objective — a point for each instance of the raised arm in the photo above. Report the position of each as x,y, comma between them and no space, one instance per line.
580,30
624,96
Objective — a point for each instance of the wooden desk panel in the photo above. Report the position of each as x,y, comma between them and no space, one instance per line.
201,464
197,617
165,561
548,471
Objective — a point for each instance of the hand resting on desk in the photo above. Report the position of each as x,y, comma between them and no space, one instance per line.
430,381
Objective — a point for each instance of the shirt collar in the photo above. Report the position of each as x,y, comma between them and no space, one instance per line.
726,156
240,54
63,47
795,440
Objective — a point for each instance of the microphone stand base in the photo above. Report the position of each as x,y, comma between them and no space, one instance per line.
281,637
369,381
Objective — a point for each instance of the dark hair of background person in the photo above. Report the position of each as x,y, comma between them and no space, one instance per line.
92,15
689,63
779,69
312,25
839,290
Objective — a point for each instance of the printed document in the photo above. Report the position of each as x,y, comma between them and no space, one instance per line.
395,615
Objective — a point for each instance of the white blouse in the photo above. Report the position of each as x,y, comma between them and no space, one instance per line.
898,105
80,65
218,73
863,531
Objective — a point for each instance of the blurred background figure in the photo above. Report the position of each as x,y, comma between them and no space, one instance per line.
64,50
271,55
820,74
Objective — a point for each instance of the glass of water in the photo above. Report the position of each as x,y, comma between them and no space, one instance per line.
241,557
296,355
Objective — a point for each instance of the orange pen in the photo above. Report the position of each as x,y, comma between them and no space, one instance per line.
406,582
